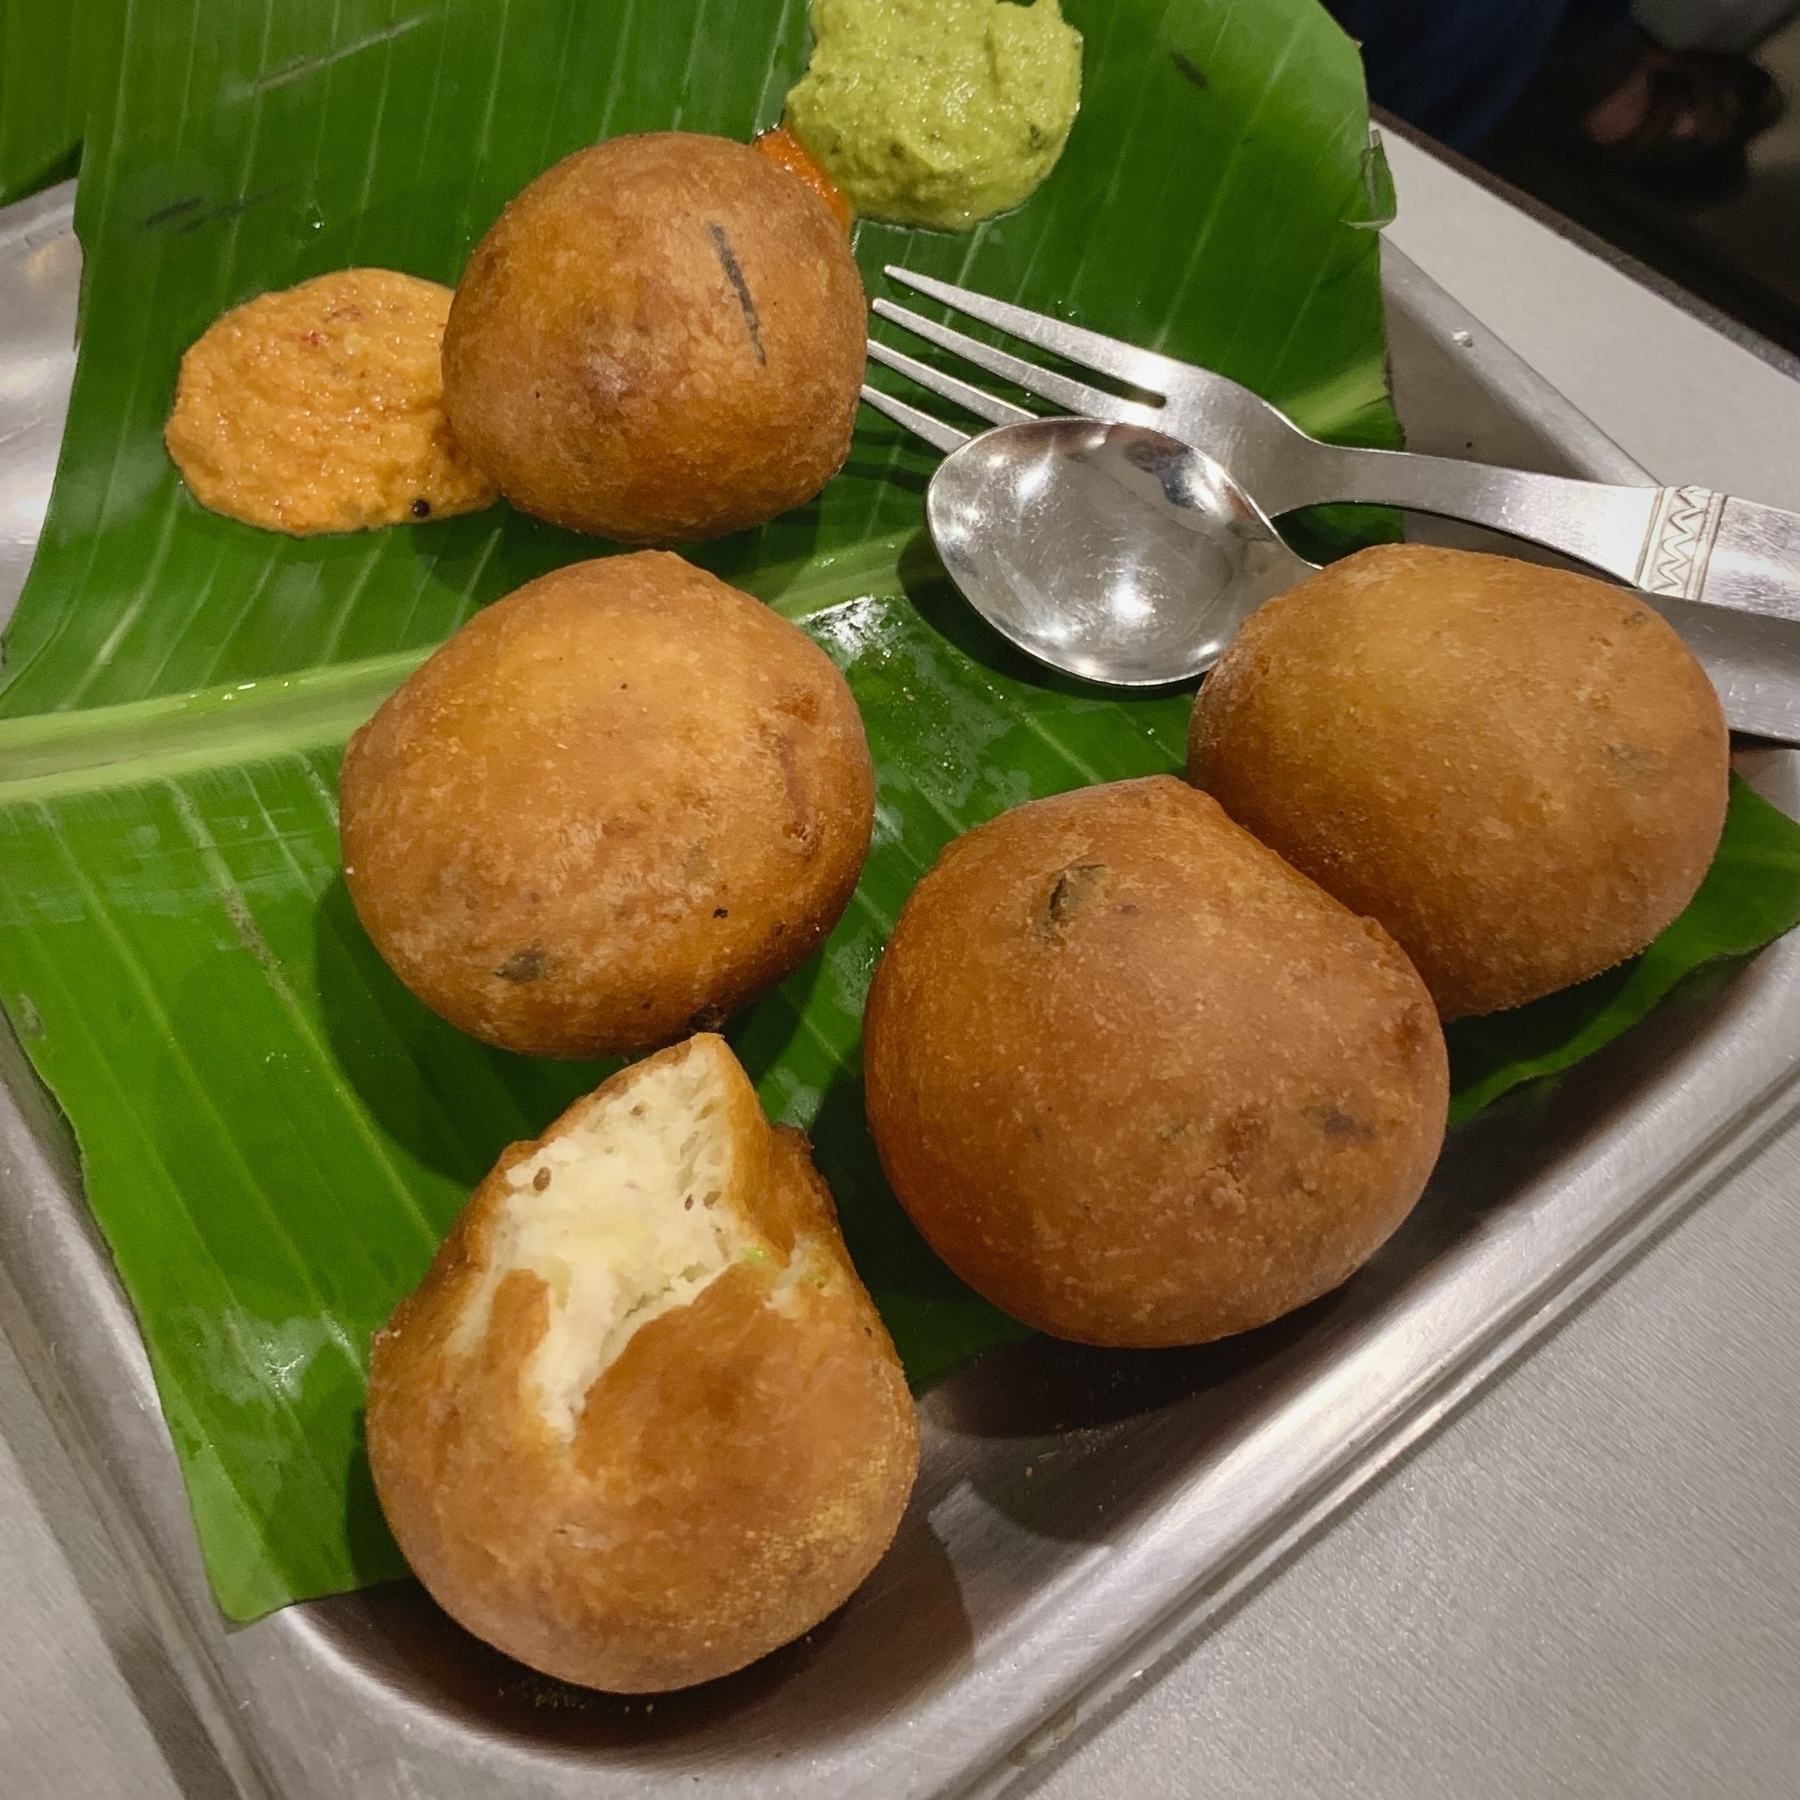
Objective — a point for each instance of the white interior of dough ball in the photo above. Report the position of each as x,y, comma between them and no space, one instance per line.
623,1219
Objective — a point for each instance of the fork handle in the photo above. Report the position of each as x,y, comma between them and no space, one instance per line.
1688,543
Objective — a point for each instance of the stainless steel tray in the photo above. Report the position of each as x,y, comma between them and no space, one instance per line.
1077,1513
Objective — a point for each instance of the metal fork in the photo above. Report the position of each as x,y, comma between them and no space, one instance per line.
1688,543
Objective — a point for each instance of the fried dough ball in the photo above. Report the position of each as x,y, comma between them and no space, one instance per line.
321,408
616,806
1520,772
1137,1081
640,1423
660,339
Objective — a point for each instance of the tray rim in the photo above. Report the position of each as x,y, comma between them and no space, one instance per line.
124,1455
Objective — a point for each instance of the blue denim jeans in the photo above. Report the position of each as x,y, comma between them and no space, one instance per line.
1455,68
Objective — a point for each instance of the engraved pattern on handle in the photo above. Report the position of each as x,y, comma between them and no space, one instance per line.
1679,541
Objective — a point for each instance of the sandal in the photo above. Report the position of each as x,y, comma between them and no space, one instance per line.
1675,120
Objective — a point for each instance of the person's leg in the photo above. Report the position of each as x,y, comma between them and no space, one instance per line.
1455,68
1574,76
1590,29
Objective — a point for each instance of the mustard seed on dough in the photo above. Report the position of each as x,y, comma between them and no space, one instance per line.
321,408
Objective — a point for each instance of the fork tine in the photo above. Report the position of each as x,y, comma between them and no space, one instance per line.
978,400
1142,368
921,424
1077,396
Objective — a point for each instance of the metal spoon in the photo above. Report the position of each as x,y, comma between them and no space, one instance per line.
1110,552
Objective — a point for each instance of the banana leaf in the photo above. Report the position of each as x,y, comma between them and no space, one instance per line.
248,144
50,55
274,1133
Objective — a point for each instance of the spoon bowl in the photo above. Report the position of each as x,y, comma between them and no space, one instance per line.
1110,552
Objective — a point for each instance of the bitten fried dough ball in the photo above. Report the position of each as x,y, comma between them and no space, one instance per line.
616,806
1137,1081
640,1423
1520,772
660,339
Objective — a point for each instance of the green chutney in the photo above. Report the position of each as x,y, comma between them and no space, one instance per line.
937,112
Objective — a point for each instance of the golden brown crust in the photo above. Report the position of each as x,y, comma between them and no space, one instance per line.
1520,772
660,339
1136,1080
734,1476
618,805
321,408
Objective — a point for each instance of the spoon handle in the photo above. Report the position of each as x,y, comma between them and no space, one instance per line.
1685,542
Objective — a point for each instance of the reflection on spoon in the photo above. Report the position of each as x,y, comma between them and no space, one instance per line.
1110,552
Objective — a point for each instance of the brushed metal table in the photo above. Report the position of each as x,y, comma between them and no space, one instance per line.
1586,1585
